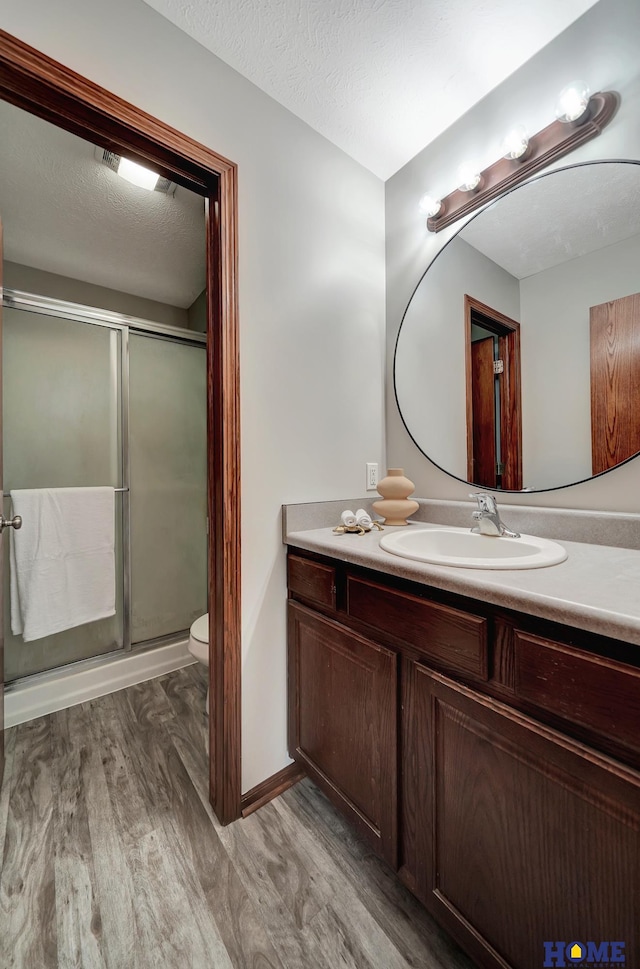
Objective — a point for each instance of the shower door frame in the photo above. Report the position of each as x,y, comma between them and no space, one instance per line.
40,85
124,325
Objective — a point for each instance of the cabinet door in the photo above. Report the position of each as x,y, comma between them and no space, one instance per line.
524,836
342,721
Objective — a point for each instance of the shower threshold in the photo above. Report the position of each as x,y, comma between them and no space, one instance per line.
43,693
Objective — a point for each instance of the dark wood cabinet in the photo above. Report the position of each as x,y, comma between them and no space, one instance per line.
449,637
491,757
523,835
312,582
598,693
342,721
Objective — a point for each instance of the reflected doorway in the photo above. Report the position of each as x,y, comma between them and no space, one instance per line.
494,413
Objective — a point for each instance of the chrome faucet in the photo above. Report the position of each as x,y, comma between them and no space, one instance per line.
488,518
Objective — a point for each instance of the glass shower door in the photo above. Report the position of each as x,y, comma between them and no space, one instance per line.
62,428
168,478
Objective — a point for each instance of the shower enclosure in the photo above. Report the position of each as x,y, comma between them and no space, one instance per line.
96,398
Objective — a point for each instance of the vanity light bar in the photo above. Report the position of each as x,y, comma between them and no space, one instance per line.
553,142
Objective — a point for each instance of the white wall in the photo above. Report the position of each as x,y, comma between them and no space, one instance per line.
311,300
30,280
602,47
430,361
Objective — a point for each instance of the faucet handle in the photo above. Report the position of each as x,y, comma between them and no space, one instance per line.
486,503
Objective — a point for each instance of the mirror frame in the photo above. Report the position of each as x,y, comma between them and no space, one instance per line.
495,201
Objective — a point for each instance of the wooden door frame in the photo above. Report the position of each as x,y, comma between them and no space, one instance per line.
33,81
510,392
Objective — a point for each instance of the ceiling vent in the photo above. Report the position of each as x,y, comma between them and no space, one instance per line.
112,161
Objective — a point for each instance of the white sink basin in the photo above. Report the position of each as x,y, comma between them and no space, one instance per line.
468,550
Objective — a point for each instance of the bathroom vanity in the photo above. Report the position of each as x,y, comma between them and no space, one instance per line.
489,753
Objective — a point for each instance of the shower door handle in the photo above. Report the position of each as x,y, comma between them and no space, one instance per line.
10,522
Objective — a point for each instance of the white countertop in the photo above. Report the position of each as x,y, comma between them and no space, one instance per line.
597,588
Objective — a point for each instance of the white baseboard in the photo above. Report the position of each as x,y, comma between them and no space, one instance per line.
66,689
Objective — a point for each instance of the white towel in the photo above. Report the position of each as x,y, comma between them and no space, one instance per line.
348,519
364,519
62,560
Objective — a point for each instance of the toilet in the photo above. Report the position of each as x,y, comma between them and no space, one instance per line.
198,644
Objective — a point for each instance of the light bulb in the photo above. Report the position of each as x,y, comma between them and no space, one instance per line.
573,102
429,205
137,174
515,142
469,177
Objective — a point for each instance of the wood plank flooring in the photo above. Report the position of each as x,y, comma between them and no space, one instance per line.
113,859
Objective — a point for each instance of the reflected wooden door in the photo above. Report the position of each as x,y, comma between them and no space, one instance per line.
494,415
615,381
484,414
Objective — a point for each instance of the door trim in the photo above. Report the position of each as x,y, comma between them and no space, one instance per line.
508,331
33,81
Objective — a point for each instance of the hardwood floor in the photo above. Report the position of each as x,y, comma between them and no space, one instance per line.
112,858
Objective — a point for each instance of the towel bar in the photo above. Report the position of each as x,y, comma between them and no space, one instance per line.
6,495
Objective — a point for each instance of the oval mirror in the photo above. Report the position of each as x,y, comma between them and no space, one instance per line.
517,364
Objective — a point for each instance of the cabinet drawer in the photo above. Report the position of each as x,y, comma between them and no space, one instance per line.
454,639
593,692
312,581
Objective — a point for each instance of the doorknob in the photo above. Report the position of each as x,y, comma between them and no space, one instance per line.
10,522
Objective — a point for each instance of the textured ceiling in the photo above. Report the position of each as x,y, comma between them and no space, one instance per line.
379,78
559,217
64,212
